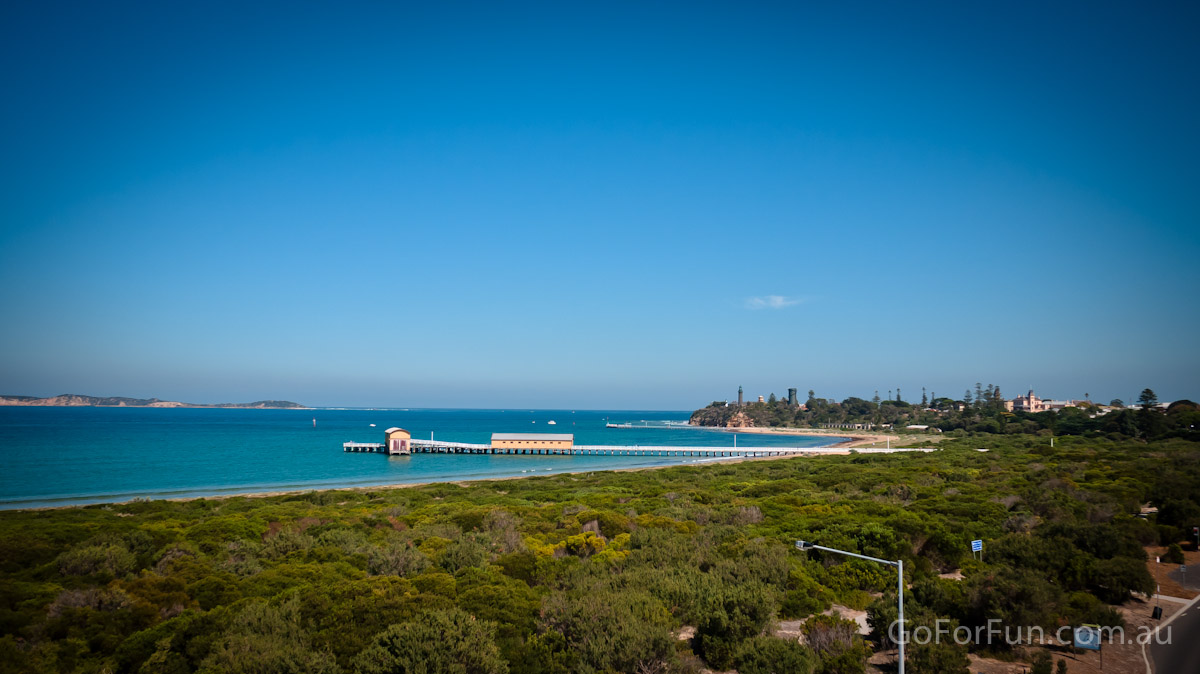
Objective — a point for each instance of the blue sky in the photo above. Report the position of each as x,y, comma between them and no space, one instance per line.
597,206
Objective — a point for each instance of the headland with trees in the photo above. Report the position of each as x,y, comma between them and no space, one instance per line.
983,411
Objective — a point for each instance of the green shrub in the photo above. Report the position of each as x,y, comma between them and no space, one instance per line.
1174,554
519,565
1042,663
438,642
397,558
608,630
465,551
769,655
836,643
261,638
110,560
609,523
936,656
732,614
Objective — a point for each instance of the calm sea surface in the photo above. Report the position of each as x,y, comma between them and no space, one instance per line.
76,455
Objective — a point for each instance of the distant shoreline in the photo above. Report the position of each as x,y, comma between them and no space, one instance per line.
75,400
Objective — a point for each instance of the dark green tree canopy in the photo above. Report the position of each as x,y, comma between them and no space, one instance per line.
449,641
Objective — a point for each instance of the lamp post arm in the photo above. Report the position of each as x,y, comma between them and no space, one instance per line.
852,554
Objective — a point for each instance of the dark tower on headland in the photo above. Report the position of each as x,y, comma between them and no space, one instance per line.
739,396
792,398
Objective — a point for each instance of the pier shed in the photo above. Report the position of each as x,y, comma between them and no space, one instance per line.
399,441
538,441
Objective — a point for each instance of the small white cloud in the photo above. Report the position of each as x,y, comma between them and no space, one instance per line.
771,302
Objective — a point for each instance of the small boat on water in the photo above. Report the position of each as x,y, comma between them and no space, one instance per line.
552,422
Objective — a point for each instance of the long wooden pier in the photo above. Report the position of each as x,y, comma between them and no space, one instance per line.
442,447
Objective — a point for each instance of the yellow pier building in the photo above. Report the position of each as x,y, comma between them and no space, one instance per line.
553,442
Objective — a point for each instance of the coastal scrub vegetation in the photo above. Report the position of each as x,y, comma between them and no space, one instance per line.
597,572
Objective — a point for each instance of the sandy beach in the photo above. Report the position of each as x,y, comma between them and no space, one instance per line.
851,439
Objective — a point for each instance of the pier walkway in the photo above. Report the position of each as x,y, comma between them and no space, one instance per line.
441,447
364,447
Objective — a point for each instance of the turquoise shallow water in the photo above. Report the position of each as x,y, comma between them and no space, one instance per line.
77,455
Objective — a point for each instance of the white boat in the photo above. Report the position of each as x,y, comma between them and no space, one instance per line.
552,422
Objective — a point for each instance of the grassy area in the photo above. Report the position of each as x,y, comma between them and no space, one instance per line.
593,572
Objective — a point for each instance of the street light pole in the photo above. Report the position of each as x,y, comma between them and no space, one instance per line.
899,564
900,595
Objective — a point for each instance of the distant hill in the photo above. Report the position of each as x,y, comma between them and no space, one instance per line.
74,400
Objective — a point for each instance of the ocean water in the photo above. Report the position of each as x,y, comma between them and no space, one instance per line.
52,456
